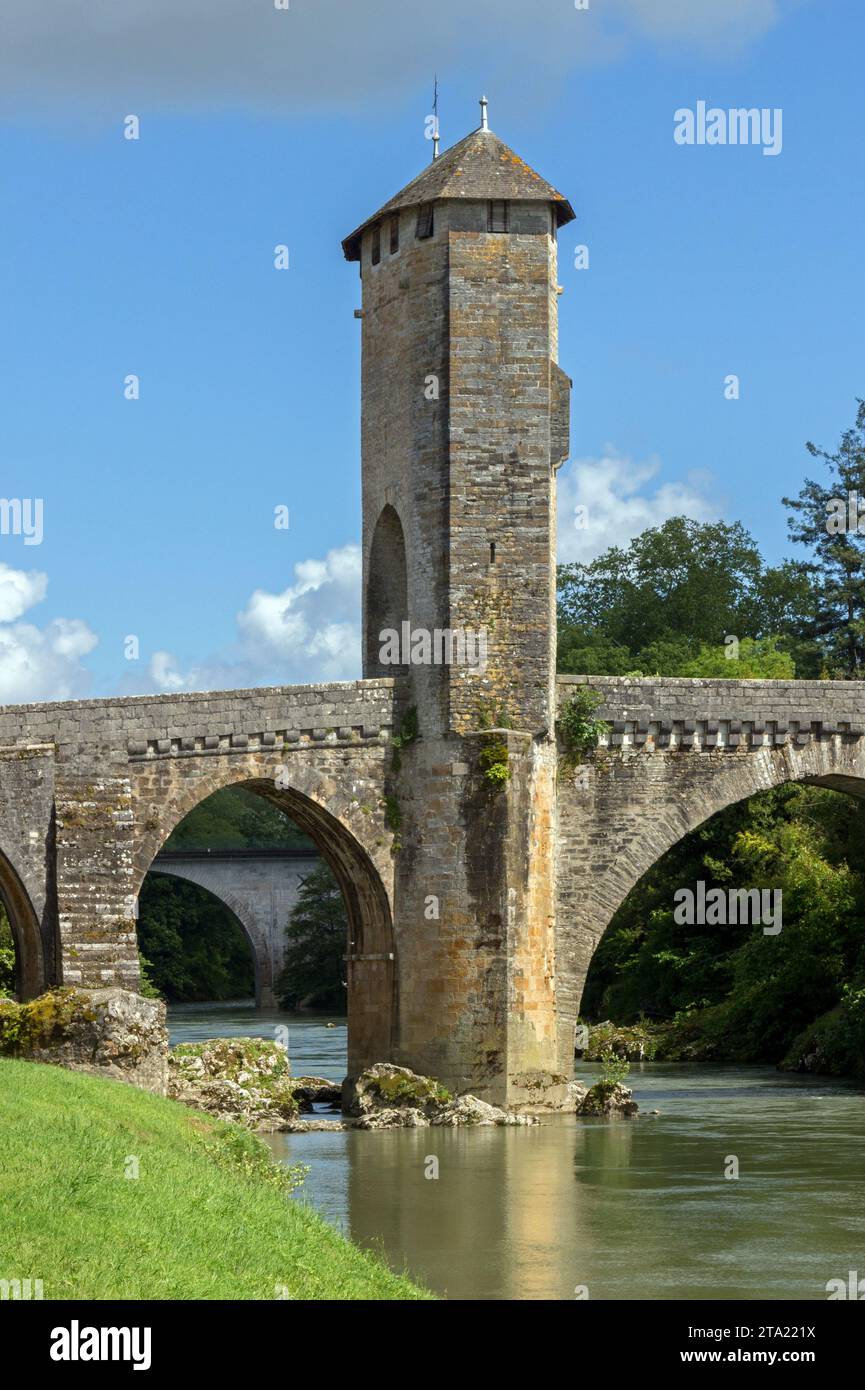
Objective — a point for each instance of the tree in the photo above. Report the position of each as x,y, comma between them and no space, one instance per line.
7,956
748,660
194,948
838,567
676,589
314,972
236,818
745,994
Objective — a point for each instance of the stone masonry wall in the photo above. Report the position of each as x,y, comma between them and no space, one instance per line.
679,751
118,775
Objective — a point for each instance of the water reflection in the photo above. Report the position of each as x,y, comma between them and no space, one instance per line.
630,1209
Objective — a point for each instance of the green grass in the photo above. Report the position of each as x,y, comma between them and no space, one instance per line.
200,1221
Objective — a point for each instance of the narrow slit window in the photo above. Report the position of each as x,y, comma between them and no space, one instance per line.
492,552
497,217
394,235
424,221
376,244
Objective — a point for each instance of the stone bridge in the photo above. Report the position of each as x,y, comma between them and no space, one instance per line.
478,876
90,791
678,752
260,887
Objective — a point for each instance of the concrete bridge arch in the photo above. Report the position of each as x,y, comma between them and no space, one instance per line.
259,887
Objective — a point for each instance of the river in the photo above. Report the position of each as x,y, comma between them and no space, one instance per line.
620,1209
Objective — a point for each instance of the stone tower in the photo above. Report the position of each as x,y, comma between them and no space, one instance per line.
464,422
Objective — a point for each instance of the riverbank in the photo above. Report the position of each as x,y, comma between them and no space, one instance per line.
833,1045
107,1192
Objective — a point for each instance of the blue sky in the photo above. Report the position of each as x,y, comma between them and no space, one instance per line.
260,127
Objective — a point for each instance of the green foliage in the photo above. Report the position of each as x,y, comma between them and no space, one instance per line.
147,988
7,956
35,1024
317,934
677,589
206,1218
836,571
236,818
731,992
408,731
756,659
236,1149
494,763
491,716
577,725
615,1067
835,1042
193,946
418,1090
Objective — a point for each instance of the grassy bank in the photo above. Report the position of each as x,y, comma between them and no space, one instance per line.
204,1219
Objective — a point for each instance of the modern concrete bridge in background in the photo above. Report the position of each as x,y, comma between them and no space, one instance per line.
260,887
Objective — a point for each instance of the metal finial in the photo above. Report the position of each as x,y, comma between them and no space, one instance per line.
484,121
435,146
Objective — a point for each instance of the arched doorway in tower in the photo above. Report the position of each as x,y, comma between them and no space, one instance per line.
745,941
261,898
386,591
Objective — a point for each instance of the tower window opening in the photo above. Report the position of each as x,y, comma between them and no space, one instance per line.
492,552
497,216
394,235
376,244
424,221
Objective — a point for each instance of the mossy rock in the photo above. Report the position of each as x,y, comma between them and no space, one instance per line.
607,1098
31,1027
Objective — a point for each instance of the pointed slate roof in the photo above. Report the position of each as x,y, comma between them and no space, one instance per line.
479,166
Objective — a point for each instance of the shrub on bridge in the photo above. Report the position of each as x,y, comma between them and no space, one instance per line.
578,728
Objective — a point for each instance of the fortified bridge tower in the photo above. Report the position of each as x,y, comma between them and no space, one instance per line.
464,423
478,875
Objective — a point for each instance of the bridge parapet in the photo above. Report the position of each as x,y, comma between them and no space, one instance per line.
679,714
242,721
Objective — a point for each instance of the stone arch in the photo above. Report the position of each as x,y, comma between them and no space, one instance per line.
328,809
386,594
612,833
237,908
30,966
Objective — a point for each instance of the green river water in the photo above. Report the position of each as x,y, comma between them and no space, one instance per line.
636,1209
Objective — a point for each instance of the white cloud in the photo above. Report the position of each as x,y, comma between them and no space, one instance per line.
308,633
19,590
330,54
733,23
38,663
615,507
